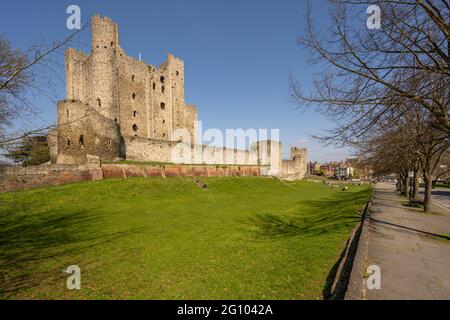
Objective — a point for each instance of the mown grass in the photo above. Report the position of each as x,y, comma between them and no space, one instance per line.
241,238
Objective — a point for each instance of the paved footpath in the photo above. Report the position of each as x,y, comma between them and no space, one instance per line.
413,263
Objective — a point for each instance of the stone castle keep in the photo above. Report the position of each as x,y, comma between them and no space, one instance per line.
119,108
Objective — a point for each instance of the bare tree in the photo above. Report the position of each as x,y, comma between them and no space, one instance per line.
13,82
412,143
365,70
22,79
443,170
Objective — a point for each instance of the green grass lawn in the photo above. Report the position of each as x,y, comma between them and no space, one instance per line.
241,238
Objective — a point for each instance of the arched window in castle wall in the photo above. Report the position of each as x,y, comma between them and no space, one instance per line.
162,79
135,127
99,102
163,105
162,89
135,114
81,141
134,95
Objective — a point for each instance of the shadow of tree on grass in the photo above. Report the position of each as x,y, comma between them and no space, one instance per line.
29,242
312,217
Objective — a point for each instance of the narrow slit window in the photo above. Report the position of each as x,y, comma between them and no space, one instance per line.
81,140
135,127
163,105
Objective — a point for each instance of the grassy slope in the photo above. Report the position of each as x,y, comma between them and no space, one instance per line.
254,238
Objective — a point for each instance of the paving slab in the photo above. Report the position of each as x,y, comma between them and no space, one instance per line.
414,264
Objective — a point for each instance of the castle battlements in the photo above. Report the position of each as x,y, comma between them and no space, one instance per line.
118,107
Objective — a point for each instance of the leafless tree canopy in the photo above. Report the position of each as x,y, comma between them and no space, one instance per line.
388,89
25,76
411,143
368,72
13,83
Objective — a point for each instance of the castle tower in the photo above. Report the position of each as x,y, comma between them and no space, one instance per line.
104,92
298,153
299,156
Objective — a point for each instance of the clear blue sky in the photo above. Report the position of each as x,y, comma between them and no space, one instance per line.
238,55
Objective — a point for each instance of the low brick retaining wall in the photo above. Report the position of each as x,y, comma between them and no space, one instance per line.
16,178
125,171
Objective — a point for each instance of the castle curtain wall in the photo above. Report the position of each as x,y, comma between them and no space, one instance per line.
118,107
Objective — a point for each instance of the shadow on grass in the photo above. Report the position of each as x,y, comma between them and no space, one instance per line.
29,243
327,291
313,217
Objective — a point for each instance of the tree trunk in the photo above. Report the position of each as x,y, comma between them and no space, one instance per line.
406,190
415,194
399,183
427,198
404,184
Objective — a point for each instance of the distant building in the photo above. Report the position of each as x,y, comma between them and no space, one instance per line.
313,167
344,172
329,168
336,169
362,170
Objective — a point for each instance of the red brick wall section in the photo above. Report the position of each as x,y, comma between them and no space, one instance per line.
154,171
113,172
172,171
135,172
16,178
131,170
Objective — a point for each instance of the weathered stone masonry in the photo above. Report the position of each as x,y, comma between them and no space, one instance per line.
119,108
296,167
111,95
17,178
